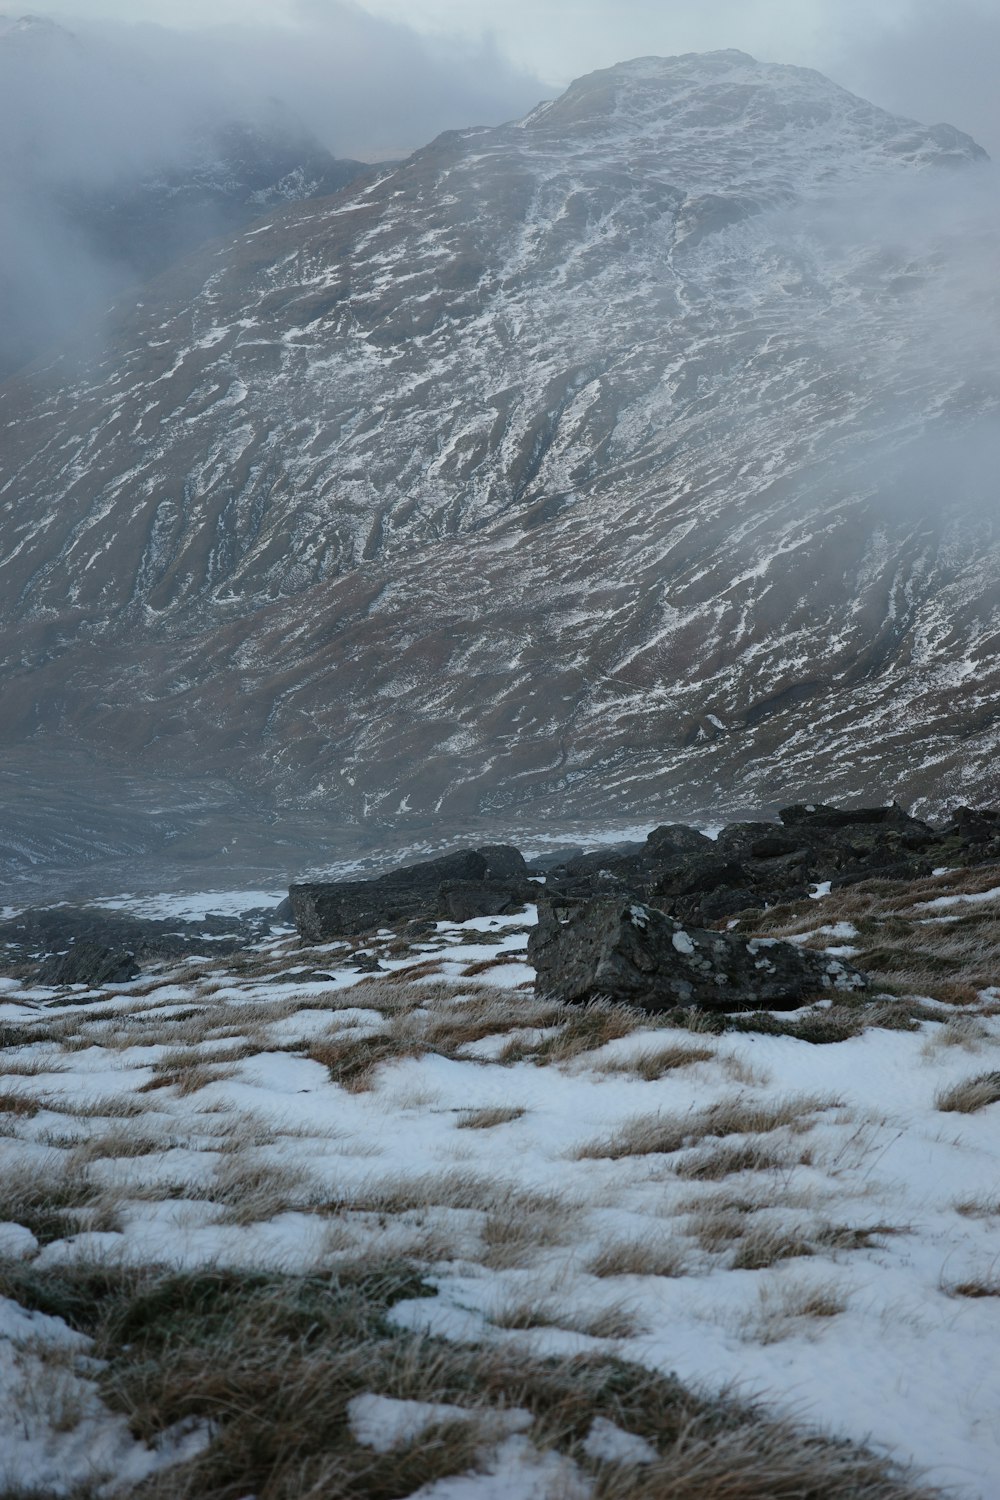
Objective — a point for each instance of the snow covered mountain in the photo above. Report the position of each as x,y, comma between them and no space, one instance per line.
109,173
640,452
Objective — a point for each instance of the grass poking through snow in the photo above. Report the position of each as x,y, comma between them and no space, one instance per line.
970,1095
664,1133
273,1363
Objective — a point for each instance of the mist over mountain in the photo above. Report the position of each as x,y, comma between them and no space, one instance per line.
110,170
640,453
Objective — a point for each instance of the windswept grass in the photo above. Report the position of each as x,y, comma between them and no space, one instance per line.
273,1363
55,1202
488,1118
641,1257
666,1133
655,1062
970,1095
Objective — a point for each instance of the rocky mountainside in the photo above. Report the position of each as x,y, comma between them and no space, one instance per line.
98,198
636,453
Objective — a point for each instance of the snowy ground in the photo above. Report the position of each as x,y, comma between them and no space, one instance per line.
802,1220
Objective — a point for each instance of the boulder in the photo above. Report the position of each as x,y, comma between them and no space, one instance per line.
485,882
628,951
673,840
91,964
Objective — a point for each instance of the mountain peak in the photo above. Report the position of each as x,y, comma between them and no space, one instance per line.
713,105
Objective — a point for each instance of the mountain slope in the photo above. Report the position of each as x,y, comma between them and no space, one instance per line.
639,449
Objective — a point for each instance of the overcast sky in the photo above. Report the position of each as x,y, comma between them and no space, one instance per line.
912,56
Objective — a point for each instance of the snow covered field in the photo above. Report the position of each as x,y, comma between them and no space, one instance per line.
814,1224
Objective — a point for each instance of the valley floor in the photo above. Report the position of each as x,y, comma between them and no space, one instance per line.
273,1226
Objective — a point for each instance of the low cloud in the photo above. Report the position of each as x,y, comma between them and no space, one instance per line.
88,111
931,62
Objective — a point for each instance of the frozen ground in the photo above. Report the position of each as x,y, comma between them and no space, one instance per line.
804,1221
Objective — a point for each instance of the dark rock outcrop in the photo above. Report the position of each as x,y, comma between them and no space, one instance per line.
91,945
757,864
88,963
631,952
484,882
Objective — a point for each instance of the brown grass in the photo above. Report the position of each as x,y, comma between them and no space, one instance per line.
582,1029
653,1062
115,1145
784,1305
101,1107
188,1080
614,1322
273,1362
715,1162
254,1192
486,1119
663,1133
764,1245
55,1202
967,1032
901,944
975,1286
19,1104
439,1019
979,1208
640,1257
27,1067
353,1062
970,1095
454,1189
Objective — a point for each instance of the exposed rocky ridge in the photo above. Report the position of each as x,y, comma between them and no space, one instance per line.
759,864
65,945
679,870
578,461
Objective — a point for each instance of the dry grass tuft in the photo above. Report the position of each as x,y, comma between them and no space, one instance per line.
972,1094
640,1257
253,1192
784,1305
28,1067
513,1234
441,1019
487,1118
614,1322
191,1080
764,1245
455,1189
102,1107
715,1162
662,1133
354,1061
967,1032
55,1203
450,1028
979,1208
21,1105
115,1145
582,1029
975,1286
653,1062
